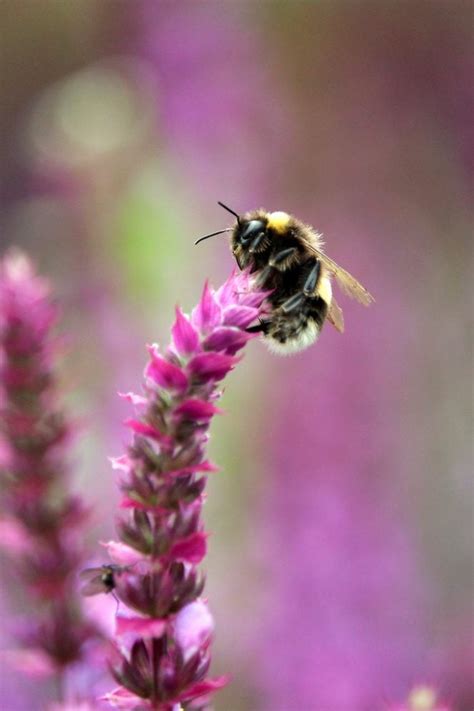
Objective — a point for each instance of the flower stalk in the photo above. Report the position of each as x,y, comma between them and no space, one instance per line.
162,655
41,523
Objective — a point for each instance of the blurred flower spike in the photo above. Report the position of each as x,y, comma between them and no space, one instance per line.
163,637
41,524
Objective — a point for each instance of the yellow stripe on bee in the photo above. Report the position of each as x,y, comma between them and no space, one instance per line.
278,221
324,289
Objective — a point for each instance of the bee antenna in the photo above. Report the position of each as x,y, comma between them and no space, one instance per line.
213,234
229,210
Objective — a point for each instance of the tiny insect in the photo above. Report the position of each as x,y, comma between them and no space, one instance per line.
100,579
287,257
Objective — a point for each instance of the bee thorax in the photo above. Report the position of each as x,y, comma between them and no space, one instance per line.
278,221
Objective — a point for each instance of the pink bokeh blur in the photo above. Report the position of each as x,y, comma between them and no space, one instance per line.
340,568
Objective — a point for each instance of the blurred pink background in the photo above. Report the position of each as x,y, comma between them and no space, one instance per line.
340,568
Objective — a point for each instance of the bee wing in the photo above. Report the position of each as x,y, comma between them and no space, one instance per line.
94,586
335,316
88,573
346,281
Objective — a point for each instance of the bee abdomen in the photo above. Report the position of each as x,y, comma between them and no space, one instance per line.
290,333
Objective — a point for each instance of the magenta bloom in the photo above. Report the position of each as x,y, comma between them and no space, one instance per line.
41,523
163,649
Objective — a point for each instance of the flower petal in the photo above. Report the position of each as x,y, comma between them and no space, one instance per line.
133,398
203,688
240,316
164,373
122,463
207,313
191,549
206,466
122,698
196,409
144,627
226,293
185,336
226,337
121,553
127,502
143,428
211,366
193,627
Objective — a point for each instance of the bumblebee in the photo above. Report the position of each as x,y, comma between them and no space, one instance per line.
288,260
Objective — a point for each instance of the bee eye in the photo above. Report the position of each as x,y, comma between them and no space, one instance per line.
251,230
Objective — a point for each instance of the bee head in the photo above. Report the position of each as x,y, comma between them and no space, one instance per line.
250,233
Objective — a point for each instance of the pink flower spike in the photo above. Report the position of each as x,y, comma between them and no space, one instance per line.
145,627
211,366
207,313
162,541
185,337
121,553
43,529
164,373
191,549
196,409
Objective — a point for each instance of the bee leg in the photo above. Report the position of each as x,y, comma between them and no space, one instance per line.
263,277
117,601
261,327
293,302
255,243
312,279
276,259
